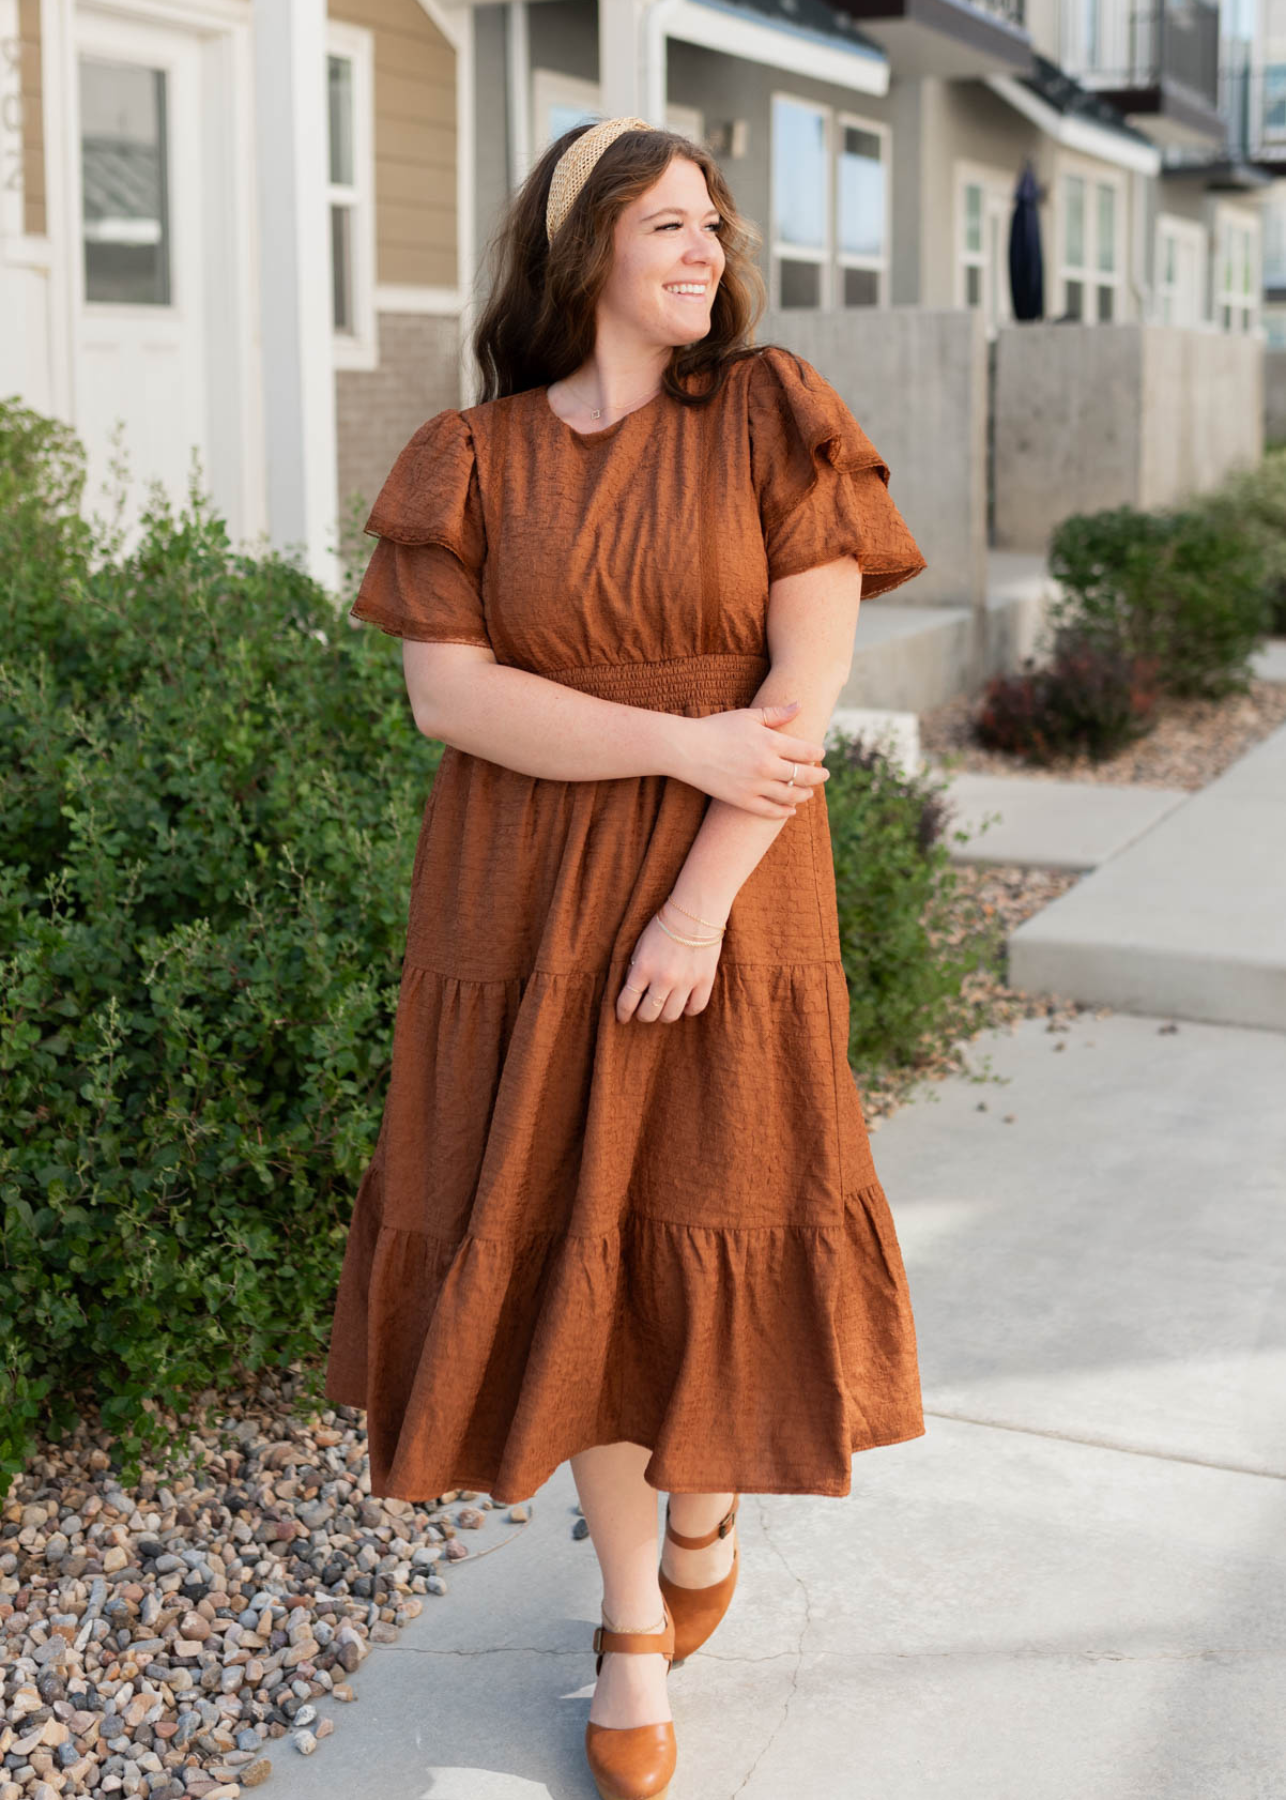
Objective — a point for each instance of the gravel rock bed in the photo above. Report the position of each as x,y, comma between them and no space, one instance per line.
160,1641
1191,743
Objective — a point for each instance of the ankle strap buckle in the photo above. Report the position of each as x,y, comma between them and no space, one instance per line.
725,1526
598,1638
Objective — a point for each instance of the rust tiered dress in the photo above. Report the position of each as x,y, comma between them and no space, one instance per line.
574,1230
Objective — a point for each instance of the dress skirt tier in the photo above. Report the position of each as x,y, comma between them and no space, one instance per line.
574,1230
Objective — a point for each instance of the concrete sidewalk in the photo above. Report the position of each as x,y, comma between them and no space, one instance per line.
1072,1588
1189,918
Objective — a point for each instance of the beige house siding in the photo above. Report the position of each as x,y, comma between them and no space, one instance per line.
34,215
415,142
415,247
378,409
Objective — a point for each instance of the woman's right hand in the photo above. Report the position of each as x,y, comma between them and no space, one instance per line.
744,756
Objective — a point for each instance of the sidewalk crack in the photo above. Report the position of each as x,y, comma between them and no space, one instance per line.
798,1651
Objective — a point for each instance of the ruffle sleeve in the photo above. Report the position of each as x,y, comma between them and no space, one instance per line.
424,578
822,484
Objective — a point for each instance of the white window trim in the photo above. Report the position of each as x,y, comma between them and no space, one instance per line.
845,259
551,88
1170,226
1090,276
360,348
1242,219
997,186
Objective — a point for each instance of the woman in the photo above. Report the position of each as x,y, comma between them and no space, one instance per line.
622,1209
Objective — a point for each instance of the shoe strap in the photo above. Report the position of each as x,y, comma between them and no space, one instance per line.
699,1543
645,1642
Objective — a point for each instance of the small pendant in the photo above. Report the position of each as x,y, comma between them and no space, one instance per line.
596,412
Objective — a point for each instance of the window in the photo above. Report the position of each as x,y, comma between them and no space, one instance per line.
1091,253
350,183
124,164
1274,122
971,254
829,207
1274,246
862,190
802,243
1181,258
561,101
983,208
1235,276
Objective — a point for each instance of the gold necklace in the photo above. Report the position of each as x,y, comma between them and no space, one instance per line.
596,412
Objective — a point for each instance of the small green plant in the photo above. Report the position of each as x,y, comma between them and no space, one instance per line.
906,958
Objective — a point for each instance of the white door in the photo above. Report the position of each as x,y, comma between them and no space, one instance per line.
138,280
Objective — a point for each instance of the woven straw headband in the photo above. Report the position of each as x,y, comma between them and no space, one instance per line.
572,168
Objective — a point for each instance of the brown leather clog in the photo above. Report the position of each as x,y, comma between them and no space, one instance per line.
633,1762
698,1610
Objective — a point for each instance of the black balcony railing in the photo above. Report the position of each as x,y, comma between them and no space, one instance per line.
1131,49
1013,12
1253,103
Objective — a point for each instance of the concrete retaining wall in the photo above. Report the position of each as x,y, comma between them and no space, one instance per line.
1096,416
916,381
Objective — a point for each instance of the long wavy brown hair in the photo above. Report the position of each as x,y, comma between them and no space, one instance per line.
538,323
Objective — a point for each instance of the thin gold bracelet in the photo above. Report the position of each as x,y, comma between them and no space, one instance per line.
697,916
692,943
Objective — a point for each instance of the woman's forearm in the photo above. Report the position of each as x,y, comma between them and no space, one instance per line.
540,727
731,842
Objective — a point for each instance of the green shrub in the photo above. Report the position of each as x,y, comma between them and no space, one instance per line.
209,804
1183,589
1090,699
906,955
1252,503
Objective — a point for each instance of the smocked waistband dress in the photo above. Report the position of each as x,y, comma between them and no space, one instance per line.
575,1230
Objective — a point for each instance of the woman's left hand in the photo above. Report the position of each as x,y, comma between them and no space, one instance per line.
666,980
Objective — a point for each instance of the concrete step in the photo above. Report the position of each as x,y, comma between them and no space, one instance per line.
1040,824
909,658
1189,920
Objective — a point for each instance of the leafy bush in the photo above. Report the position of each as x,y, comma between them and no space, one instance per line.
208,808
1252,504
1090,700
905,957
1183,589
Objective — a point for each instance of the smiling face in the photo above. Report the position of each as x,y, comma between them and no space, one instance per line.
667,261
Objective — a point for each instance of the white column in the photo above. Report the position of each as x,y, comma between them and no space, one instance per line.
295,281
631,58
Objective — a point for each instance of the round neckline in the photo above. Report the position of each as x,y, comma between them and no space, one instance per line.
604,430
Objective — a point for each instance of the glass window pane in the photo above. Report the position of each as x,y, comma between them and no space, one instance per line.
1106,296
562,118
861,194
340,100
1073,305
973,285
1275,100
801,284
861,287
799,175
1074,221
124,175
1106,227
341,267
973,215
